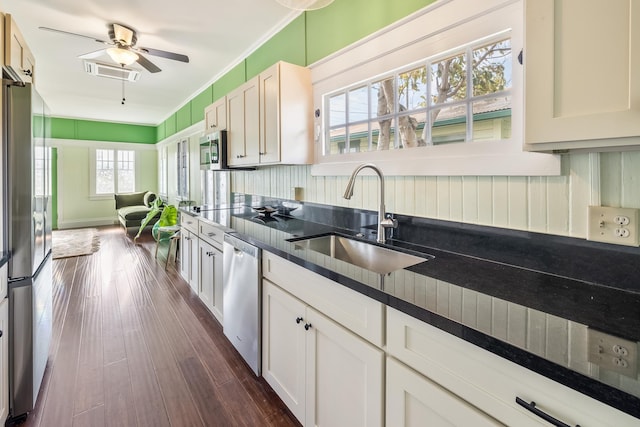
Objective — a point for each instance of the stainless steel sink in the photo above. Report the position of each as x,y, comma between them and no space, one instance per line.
362,254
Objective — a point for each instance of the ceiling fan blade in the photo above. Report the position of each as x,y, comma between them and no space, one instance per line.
163,54
75,34
123,35
92,55
148,65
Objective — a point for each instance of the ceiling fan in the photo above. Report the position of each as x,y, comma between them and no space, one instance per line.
123,48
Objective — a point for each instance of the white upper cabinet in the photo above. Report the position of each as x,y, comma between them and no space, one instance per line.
270,118
582,68
243,119
215,116
18,59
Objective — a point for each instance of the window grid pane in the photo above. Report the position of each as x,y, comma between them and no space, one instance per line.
459,98
114,171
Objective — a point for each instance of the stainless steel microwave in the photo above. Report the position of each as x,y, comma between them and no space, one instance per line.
213,151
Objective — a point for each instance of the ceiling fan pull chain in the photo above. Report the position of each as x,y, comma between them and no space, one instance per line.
122,86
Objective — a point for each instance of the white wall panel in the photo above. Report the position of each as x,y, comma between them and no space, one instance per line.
555,205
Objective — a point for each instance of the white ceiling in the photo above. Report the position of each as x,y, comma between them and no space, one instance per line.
215,34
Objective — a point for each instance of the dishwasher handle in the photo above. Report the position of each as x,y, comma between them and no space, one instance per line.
240,247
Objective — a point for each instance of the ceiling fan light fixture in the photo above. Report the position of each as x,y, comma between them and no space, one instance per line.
305,4
122,56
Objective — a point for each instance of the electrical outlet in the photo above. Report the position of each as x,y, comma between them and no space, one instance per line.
613,353
613,225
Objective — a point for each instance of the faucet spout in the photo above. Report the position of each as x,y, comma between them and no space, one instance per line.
383,222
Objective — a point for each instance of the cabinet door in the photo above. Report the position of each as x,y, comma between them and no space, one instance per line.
582,61
243,125
344,376
3,281
194,262
270,115
217,307
283,346
18,58
4,358
207,267
415,401
185,260
215,116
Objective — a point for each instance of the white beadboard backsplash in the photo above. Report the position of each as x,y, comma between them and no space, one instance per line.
553,205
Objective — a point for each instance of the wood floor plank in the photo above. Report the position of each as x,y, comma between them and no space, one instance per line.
132,345
89,390
119,404
91,418
206,396
150,408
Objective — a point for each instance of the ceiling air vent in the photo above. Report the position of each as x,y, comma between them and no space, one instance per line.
111,71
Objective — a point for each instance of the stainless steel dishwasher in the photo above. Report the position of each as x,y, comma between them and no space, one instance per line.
241,299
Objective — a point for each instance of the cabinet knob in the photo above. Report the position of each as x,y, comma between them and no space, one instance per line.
209,253
239,156
299,319
307,326
27,72
1,333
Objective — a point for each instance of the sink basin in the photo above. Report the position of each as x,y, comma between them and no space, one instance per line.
362,254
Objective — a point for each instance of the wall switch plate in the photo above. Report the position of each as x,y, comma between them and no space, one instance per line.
613,353
613,225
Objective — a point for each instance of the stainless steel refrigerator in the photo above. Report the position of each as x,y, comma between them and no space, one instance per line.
26,127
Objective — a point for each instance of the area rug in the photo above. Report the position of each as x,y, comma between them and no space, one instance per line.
75,242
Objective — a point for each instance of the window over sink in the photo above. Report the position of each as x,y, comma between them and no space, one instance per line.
439,93
463,96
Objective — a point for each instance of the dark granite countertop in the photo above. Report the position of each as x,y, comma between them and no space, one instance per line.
552,278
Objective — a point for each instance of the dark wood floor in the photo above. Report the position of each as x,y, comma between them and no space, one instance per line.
132,346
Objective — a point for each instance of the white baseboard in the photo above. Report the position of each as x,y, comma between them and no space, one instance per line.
80,223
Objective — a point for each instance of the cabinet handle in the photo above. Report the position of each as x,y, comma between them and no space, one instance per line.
548,418
307,326
209,253
239,156
0,333
262,154
27,72
298,320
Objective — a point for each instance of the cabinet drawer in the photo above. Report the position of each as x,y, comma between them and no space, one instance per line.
189,222
488,381
211,234
355,311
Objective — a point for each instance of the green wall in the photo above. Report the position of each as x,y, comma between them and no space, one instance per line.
102,131
308,38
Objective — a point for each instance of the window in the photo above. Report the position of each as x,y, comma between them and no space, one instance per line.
162,173
438,93
114,172
183,169
462,96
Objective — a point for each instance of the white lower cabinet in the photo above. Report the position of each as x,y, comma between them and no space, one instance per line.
189,260
324,373
4,359
415,401
210,281
476,378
